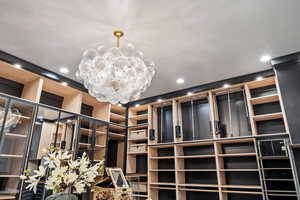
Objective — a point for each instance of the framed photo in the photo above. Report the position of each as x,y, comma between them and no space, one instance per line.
117,177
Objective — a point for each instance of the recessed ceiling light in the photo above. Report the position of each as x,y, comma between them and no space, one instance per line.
259,78
159,100
64,83
64,70
180,81
265,58
189,93
18,66
226,86
137,105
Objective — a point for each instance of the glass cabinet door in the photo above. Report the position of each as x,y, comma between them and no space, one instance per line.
92,136
100,140
66,131
85,137
16,118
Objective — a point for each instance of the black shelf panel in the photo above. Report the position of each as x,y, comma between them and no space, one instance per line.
201,178
242,178
166,194
202,195
240,163
199,150
166,177
165,124
239,125
233,148
195,120
244,197
263,91
195,163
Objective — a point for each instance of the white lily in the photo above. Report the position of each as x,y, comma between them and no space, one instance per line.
64,155
79,186
40,172
52,161
69,178
59,172
73,164
52,182
32,183
23,177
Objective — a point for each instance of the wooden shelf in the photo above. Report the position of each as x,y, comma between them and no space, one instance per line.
139,195
281,191
162,170
199,185
116,117
133,175
99,146
196,156
137,153
139,139
238,155
139,108
277,168
139,117
139,126
273,179
242,192
235,141
9,176
163,188
116,127
239,170
160,183
4,196
192,144
117,109
196,170
161,157
197,190
13,135
265,99
86,145
242,186
267,117
282,195
11,156
116,135
274,158
262,83
86,131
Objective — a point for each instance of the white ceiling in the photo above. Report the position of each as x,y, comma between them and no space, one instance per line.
199,40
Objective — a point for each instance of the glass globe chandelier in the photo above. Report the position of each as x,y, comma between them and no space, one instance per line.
118,74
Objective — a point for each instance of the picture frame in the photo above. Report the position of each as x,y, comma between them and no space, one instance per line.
117,177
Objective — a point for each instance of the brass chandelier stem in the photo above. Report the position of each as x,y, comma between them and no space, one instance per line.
118,34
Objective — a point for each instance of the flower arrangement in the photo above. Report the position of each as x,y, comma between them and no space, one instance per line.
61,173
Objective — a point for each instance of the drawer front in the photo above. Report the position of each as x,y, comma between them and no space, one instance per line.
137,148
138,134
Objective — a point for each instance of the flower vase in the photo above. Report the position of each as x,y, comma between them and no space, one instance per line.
62,196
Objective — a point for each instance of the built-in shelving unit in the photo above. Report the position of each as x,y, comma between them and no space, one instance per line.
137,148
15,130
205,145
61,116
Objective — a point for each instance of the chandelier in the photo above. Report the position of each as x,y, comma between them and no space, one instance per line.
117,74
